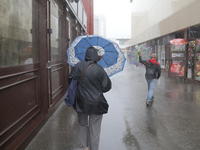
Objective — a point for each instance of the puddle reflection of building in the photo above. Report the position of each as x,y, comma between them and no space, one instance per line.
129,139
150,122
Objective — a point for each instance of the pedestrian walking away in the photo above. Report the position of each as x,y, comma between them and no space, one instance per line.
153,72
90,103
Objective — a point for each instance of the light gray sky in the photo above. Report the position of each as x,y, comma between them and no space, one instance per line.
118,17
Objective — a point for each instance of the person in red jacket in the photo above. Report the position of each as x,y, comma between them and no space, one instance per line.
153,72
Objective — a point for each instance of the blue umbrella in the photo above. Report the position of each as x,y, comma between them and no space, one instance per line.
112,60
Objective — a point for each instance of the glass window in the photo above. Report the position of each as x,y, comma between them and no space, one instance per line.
163,57
84,19
177,68
74,6
177,47
197,61
56,38
70,31
18,33
80,11
155,50
159,53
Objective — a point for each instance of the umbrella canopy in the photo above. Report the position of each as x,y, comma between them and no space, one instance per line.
145,52
112,59
178,41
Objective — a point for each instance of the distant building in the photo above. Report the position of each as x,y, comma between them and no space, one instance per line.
96,24
121,42
100,25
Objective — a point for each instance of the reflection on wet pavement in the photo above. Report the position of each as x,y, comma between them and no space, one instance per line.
129,140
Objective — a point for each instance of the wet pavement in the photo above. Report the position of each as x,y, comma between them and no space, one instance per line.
171,123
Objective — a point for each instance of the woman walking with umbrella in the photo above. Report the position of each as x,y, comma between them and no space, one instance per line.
90,103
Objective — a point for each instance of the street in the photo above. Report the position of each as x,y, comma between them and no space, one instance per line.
171,123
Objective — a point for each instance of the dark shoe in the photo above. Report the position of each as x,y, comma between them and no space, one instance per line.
148,103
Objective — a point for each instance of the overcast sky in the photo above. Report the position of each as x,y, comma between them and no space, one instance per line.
118,17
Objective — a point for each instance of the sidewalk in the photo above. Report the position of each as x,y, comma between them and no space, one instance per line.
171,123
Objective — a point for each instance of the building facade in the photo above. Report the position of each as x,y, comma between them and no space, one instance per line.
156,22
88,5
34,37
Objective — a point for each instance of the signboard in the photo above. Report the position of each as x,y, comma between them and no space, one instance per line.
177,54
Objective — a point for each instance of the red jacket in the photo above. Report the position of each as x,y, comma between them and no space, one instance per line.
153,61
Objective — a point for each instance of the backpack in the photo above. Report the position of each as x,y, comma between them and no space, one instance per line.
150,70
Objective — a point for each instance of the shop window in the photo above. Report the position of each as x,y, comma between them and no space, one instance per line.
159,49
155,49
177,61
163,57
197,61
18,33
167,49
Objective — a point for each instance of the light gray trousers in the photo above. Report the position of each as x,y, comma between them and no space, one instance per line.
89,134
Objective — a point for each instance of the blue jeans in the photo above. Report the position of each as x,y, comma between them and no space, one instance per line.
151,84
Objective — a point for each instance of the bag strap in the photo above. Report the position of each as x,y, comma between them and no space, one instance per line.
155,63
76,68
85,71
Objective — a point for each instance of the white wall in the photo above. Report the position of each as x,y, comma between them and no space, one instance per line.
155,18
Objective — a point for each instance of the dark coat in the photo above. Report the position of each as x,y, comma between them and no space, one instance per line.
94,82
157,67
